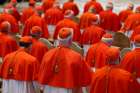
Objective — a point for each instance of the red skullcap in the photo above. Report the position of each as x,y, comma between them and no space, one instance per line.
5,26
64,33
36,30
26,39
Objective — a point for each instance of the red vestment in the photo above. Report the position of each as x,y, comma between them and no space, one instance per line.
71,6
96,55
36,20
63,67
21,66
68,23
131,63
110,21
124,14
26,13
38,49
92,34
132,21
113,80
53,16
11,20
86,20
47,4
136,31
96,4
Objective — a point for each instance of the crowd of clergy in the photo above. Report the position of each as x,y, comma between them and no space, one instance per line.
50,48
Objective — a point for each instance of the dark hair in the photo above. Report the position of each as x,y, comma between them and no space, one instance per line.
23,44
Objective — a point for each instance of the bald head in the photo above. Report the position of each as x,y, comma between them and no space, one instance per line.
5,26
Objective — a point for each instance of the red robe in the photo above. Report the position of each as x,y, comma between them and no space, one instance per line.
53,16
65,68
92,34
132,21
124,14
47,4
71,6
21,66
26,13
38,49
13,11
96,4
70,24
131,63
136,31
113,80
96,55
7,44
11,20
110,21
36,20
86,20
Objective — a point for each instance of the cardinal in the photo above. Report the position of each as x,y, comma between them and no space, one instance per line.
64,70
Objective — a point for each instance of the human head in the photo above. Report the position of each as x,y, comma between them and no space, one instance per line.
5,27
56,4
36,32
108,39
92,9
130,6
65,36
69,14
39,10
32,3
109,6
25,42
137,9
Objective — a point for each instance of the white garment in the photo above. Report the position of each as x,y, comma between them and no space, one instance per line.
93,69
14,86
128,33
51,29
86,47
138,80
81,30
50,89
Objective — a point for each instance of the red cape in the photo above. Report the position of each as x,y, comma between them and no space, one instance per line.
63,67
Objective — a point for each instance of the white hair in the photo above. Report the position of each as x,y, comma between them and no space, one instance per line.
66,41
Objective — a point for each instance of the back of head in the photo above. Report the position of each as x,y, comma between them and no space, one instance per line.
92,9
5,27
36,31
39,10
69,14
56,4
13,2
25,41
107,38
130,6
113,55
32,3
65,37
109,6
137,9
